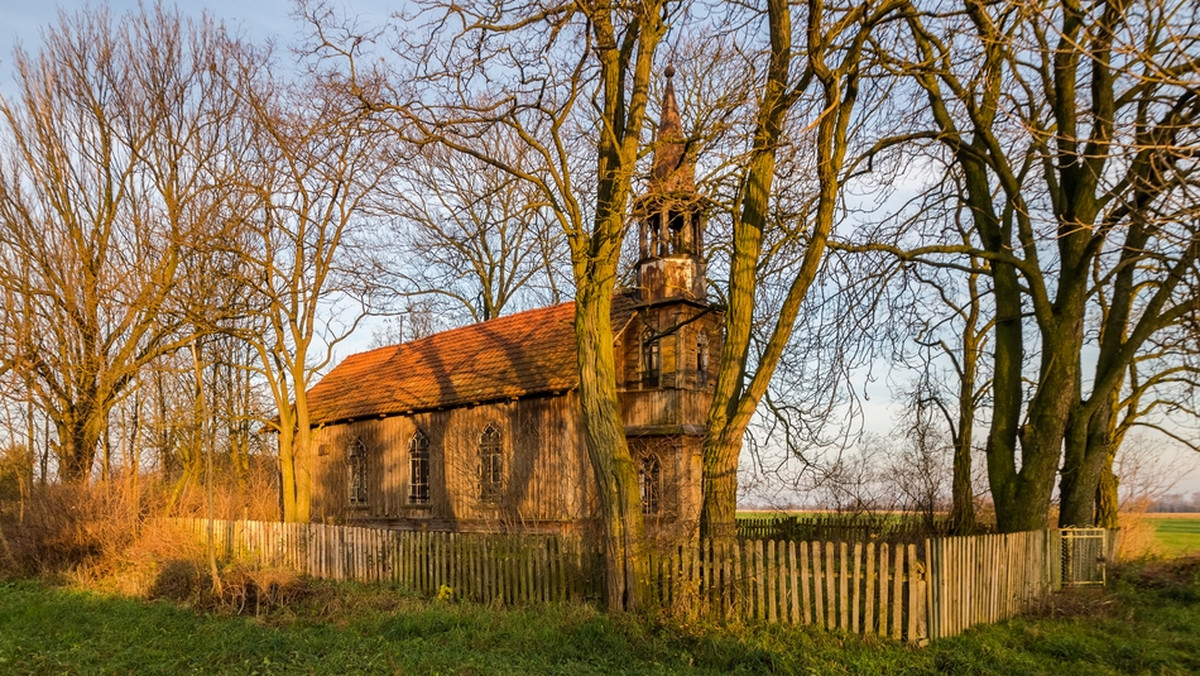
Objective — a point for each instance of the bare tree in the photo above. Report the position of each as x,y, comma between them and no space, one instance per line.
318,160
481,71
474,239
110,180
835,38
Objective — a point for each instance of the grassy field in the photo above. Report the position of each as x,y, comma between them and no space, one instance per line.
1176,534
1148,623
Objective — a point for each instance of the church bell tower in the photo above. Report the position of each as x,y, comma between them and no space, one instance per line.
671,216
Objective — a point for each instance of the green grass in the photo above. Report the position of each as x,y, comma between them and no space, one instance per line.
1176,535
1149,623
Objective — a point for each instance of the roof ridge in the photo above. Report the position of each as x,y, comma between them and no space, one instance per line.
502,319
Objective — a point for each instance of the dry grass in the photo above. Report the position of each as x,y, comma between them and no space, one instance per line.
104,533
1136,539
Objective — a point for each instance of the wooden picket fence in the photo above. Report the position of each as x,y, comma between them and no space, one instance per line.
903,591
863,588
480,567
984,579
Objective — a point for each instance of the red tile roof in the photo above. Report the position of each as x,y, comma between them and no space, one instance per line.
520,354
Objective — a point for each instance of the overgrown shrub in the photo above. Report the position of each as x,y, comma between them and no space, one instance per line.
240,588
63,527
91,531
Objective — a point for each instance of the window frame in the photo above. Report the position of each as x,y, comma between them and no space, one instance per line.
651,356
650,484
357,493
419,469
491,464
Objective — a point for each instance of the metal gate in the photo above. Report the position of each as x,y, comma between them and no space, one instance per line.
1085,554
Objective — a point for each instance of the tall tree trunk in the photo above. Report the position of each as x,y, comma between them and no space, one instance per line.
1091,449
1107,496
1043,436
287,467
962,493
718,511
626,565
79,437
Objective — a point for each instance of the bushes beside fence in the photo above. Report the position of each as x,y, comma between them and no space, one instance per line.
891,528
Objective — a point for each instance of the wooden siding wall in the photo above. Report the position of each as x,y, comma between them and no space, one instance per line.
680,462
665,408
677,349
547,477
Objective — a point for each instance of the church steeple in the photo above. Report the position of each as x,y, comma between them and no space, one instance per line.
671,215
673,169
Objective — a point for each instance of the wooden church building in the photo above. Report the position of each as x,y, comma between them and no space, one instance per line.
479,428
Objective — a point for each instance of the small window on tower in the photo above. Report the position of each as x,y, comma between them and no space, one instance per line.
651,358
702,357
678,233
656,235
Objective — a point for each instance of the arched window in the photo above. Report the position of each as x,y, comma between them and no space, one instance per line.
650,481
702,357
491,464
651,358
418,458
356,474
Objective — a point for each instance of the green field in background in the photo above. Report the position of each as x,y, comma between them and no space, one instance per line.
1176,535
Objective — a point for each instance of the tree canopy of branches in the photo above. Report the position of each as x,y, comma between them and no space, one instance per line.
110,181
472,240
834,42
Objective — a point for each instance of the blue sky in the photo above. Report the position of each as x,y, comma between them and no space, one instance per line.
22,20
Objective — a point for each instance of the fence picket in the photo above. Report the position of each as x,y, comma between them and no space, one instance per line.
830,582
869,584
855,596
883,589
843,588
805,580
897,591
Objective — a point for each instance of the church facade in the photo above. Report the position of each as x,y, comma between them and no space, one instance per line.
479,428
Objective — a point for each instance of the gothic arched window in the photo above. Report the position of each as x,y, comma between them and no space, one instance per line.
356,474
702,356
651,357
491,464
650,481
418,458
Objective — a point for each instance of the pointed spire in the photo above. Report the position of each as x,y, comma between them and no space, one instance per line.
673,170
